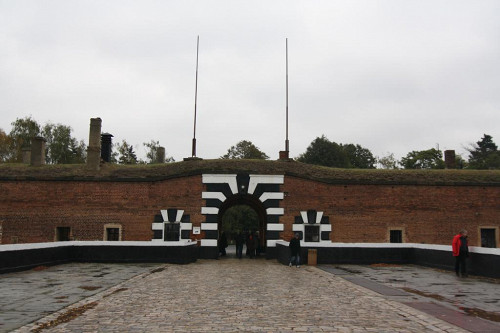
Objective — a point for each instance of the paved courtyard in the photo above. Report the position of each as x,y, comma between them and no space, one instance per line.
231,295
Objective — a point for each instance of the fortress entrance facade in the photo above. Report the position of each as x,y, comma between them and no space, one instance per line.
184,202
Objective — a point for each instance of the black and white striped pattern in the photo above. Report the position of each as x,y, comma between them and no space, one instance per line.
220,187
312,216
171,215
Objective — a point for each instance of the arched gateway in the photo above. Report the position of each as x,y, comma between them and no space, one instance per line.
260,192
222,191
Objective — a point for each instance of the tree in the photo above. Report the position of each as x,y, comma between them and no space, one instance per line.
359,157
62,148
484,154
152,152
245,150
460,163
388,162
424,159
23,131
322,151
126,153
6,153
240,218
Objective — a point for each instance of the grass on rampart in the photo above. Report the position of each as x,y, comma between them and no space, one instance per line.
154,172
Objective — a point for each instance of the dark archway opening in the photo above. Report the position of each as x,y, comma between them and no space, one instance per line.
245,213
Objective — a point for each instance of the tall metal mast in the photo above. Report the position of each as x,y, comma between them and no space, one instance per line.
193,152
286,141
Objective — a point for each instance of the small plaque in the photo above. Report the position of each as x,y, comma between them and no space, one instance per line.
196,230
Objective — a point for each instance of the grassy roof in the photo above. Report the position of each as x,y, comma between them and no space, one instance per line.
155,172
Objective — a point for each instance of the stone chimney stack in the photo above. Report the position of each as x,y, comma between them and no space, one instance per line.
94,148
38,151
26,155
284,155
449,159
160,155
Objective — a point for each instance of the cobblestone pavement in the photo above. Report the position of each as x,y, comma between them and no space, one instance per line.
461,294
29,295
230,295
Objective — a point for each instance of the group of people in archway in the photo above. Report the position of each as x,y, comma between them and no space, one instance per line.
249,238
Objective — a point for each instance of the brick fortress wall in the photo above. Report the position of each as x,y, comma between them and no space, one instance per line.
425,214
31,210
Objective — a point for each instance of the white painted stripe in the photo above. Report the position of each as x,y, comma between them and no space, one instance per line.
178,218
325,227
213,195
186,226
275,211
153,242
304,217
209,242
263,179
298,227
164,215
221,179
209,226
319,215
275,227
272,242
271,195
209,210
186,242
158,226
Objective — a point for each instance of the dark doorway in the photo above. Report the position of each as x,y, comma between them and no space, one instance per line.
246,214
239,218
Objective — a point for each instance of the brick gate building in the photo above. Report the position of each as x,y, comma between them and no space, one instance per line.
185,202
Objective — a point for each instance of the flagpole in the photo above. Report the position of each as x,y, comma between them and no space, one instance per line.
286,141
193,152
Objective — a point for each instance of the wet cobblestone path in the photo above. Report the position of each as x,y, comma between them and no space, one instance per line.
245,295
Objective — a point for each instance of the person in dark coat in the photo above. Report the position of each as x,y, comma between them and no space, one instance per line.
295,251
240,240
251,245
460,252
257,244
222,244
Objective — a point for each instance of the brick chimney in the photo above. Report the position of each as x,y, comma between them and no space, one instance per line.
38,151
449,159
106,146
160,155
94,148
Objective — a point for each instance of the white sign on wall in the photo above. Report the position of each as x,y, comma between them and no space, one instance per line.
196,230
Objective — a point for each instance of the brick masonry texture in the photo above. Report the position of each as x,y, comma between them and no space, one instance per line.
30,210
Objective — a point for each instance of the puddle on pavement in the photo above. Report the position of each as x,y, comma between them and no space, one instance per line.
493,316
349,270
423,293
65,317
90,288
489,315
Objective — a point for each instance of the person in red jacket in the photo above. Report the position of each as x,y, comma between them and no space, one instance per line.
460,252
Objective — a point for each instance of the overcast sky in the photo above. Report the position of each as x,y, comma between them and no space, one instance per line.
392,76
